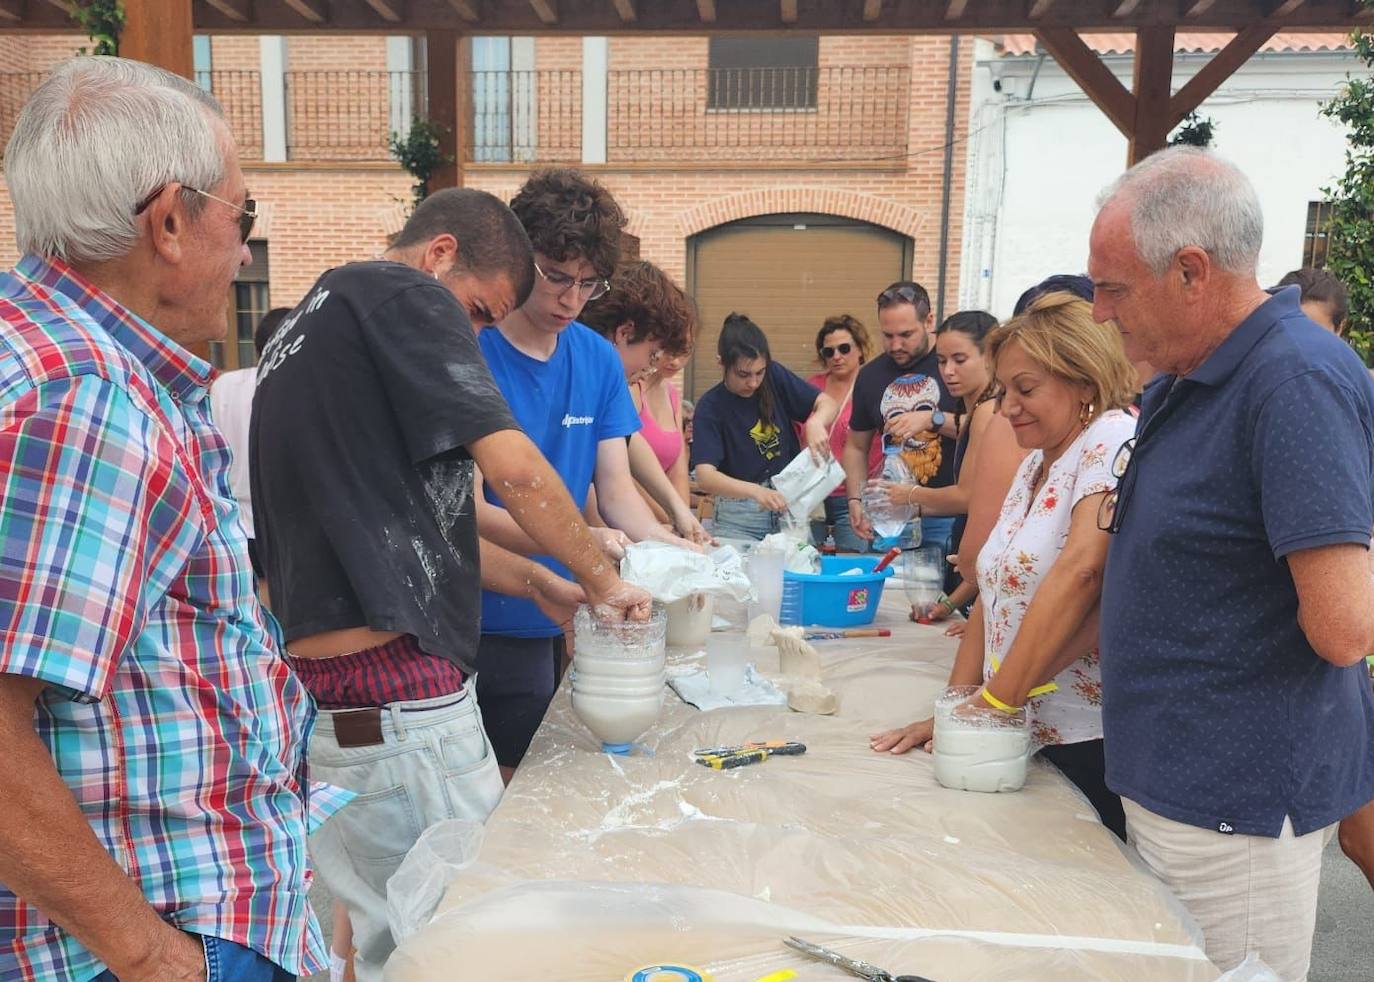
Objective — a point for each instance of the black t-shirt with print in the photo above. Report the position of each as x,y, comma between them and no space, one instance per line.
876,397
362,489
728,434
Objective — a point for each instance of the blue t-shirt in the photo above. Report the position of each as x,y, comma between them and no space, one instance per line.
728,433
567,406
1216,711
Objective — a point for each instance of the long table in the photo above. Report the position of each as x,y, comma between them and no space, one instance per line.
593,866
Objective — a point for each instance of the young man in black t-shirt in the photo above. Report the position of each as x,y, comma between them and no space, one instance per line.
900,396
373,404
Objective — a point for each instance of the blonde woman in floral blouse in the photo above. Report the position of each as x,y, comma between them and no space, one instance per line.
1032,635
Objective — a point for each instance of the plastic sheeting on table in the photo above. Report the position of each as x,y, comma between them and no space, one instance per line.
594,865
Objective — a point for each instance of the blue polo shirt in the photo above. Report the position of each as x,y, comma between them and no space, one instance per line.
1216,711
567,406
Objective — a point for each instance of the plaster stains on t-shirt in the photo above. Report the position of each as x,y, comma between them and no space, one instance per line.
429,562
468,374
448,488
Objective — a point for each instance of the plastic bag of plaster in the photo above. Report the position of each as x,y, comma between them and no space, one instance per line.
805,484
671,572
795,545
413,893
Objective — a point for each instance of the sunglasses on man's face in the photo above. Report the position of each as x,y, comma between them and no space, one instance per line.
248,211
829,352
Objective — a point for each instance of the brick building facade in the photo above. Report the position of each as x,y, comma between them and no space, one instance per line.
857,136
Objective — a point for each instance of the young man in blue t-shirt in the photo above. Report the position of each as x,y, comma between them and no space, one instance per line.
566,387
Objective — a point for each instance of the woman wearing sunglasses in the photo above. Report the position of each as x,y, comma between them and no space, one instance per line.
842,347
1031,640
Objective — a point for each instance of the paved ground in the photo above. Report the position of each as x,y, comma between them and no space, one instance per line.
1342,951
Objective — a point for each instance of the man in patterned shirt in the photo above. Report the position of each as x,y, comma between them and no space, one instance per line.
158,831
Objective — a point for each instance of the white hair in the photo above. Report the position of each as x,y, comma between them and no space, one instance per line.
1185,196
93,141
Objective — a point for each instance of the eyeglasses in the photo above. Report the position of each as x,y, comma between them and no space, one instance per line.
248,211
1112,512
903,294
844,348
562,283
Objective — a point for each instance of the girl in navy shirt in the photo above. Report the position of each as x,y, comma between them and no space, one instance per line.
744,434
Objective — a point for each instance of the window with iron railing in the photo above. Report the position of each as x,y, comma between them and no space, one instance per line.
763,74
1315,238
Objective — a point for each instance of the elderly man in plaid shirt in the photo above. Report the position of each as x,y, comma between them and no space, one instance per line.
153,824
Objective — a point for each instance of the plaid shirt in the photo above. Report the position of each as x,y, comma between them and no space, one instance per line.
125,584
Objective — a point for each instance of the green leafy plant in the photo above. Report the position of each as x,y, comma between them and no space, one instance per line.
103,22
1350,235
418,152
1194,131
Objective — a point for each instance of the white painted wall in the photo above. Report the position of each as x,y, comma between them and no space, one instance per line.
1037,165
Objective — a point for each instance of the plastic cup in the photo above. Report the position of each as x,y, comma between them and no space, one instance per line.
689,620
922,576
765,572
726,656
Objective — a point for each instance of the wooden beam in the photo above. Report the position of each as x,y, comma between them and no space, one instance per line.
787,11
1082,65
546,10
387,10
626,10
1286,7
1153,82
466,9
159,32
1038,9
1222,66
443,56
235,10
1195,8
62,5
956,9
873,9
1124,8
315,11
706,11
11,11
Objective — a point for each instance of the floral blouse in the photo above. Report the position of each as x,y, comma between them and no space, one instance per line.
1027,540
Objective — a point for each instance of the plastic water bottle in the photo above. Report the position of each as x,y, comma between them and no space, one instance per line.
889,519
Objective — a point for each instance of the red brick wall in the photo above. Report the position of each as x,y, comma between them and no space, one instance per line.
322,215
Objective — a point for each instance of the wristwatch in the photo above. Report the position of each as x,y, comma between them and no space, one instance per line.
937,418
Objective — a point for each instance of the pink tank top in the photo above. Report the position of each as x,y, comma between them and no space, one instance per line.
666,444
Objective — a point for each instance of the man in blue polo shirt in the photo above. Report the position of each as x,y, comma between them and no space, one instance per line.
1238,603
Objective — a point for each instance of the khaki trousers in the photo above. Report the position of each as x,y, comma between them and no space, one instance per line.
1248,893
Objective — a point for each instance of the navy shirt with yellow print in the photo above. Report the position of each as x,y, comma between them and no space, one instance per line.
731,435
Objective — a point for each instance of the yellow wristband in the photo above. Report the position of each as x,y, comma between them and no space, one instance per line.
998,704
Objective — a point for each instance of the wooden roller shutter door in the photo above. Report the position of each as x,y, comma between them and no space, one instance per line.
788,273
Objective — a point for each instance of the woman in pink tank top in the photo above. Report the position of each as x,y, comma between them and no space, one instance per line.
660,412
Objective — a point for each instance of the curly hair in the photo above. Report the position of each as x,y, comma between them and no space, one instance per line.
844,322
647,299
570,216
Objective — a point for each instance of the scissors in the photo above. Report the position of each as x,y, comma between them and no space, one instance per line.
854,967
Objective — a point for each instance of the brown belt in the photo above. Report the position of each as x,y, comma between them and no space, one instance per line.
363,727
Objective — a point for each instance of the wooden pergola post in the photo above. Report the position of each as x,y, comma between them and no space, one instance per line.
1153,87
1146,115
159,32
449,85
